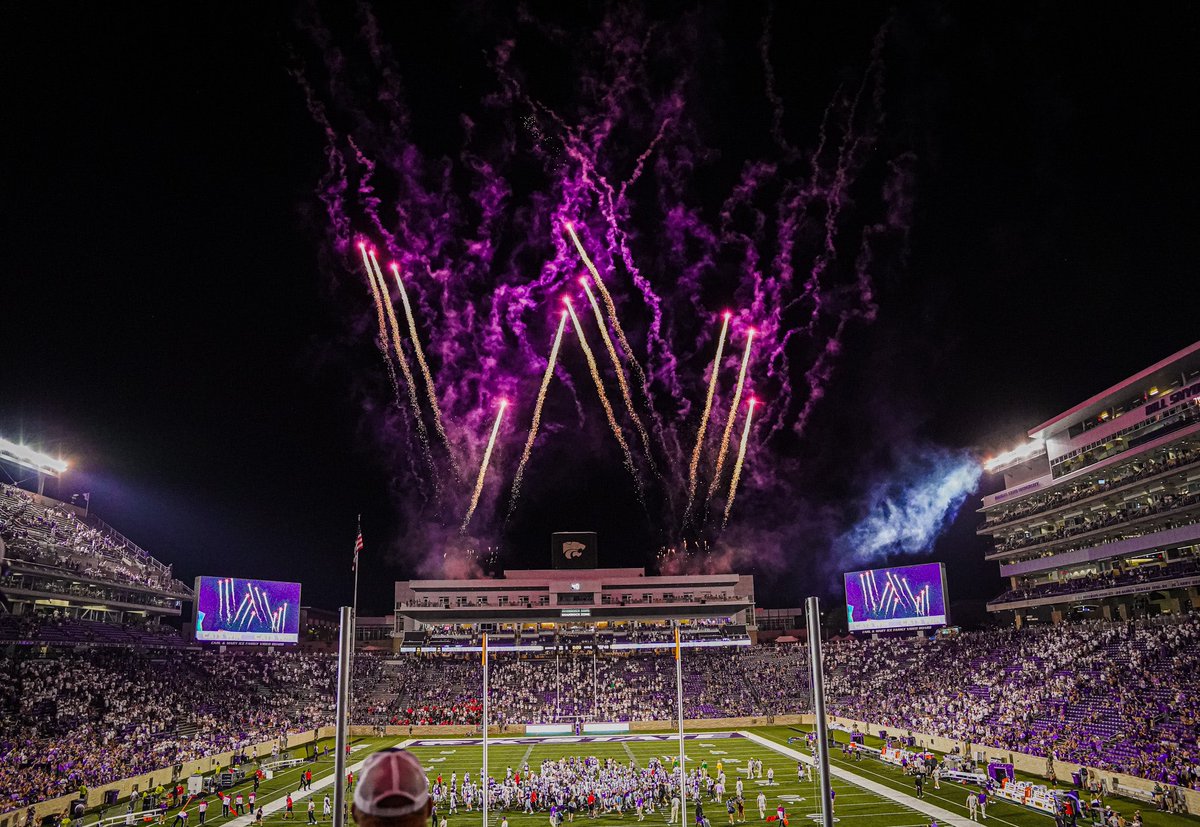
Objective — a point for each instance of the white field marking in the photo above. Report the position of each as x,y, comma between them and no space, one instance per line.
525,758
717,752
448,752
280,803
903,799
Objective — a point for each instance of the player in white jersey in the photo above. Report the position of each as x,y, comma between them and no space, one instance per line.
762,805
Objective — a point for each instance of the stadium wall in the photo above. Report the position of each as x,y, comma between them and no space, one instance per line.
1022,762
165,776
518,730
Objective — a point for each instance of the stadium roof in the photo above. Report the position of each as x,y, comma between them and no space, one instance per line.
1160,373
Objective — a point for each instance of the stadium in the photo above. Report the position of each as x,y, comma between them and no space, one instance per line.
510,413
1076,708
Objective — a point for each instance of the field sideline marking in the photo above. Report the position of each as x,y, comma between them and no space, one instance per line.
913,803
279,803
932,793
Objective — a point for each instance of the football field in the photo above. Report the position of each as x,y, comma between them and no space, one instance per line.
879,795
854,805
868,793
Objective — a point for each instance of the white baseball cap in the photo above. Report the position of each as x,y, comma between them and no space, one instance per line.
391,773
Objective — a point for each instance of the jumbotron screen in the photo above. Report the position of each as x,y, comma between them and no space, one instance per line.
233,610
901,597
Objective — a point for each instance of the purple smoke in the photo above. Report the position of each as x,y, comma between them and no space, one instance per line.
477,231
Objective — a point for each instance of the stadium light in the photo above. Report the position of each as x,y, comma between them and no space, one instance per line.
1019,454
28,458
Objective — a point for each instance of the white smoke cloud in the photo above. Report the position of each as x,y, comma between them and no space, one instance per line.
908,510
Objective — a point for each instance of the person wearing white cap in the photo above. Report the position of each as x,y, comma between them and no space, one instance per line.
392,791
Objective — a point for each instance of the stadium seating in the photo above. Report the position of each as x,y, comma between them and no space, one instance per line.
59,540
1118,696
1111,695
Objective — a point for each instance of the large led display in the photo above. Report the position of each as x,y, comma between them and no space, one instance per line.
233,610
901,597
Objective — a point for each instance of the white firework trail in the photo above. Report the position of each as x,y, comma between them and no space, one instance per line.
737,466
694,465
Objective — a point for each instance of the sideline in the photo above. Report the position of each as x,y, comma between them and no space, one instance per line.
280,802
943,816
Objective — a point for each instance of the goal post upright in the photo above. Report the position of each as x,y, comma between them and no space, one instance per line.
813,611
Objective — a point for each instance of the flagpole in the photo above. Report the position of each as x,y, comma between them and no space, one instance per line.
358,543
682,756
485,731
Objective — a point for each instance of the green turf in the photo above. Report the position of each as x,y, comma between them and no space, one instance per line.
856,807
284,782
952,798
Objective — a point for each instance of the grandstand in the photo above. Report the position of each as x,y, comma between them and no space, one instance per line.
104,696
1115,697
1100,512
545,610
69,565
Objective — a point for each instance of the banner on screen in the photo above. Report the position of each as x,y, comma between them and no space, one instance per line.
235,610
900,597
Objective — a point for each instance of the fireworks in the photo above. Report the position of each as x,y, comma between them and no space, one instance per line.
608,411
380,287
483,466
693,467
537,417
484,224
737,466
733,409
383,333
224,597
612,312
612,353
430,392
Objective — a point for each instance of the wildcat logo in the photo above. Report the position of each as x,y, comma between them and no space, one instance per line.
572,550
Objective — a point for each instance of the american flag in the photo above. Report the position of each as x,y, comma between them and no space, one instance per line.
358,546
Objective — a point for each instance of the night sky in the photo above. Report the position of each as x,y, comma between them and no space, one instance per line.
172,328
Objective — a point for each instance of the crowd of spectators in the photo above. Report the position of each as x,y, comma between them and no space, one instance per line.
92,715
58,538
1111,695
1140,470
1117,515
1028,588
